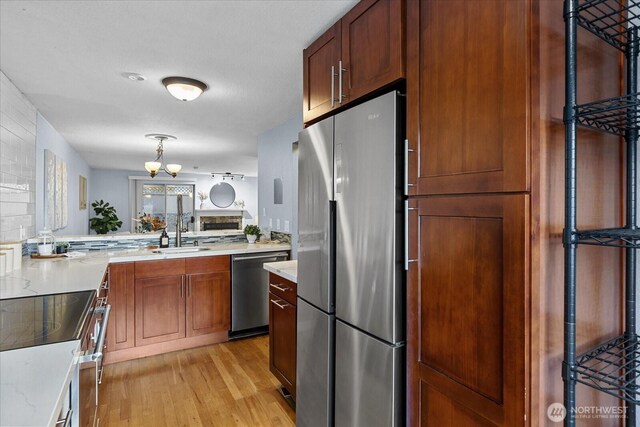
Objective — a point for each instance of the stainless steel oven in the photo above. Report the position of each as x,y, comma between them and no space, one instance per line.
91,357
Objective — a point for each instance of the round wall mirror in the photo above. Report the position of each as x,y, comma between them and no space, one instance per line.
222,195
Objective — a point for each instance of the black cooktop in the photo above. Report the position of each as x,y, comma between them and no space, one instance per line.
43,319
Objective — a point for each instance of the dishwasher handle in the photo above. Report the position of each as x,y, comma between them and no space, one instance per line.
247,258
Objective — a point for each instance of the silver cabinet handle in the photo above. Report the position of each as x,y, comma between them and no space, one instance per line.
407,150
340,71
280,288
189,286
282,306
182,286
333,86
407,209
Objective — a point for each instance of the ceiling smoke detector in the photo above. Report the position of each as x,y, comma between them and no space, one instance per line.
134,77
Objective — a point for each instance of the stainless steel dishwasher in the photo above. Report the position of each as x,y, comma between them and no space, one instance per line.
250,291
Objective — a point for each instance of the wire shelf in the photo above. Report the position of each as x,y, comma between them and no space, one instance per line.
613,115
616,237
612,368
609,19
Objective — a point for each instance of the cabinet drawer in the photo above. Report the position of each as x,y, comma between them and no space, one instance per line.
170,267
207,264
283,288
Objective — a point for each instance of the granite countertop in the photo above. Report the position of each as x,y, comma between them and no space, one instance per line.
286,269
33,380
33,383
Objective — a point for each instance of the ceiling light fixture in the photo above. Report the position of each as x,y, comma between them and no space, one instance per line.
226,175
184,88
155,166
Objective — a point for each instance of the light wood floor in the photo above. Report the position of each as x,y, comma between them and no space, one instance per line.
225,384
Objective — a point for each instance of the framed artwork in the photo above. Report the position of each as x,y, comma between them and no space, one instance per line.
56,208
83,193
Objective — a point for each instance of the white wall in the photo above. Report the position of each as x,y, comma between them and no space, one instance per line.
278,158
48,138
113,186
17,163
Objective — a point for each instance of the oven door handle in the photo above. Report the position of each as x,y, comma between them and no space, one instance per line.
97,353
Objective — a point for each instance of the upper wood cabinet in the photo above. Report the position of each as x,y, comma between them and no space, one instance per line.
360,54
468,102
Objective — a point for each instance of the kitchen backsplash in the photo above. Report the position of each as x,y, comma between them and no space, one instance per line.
17,163
122,244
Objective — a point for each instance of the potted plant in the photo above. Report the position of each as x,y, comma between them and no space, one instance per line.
107,220
62,247
252,232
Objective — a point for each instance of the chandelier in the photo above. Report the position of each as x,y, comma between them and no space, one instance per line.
155,166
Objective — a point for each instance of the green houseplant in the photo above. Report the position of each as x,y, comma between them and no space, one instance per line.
107,220
252,232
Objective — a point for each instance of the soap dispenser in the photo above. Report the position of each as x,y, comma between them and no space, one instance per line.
164,239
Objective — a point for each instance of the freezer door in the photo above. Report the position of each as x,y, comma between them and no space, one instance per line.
314,366
369,380
315,217
369,207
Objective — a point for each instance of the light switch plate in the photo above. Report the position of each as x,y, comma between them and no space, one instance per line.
286,225
277,223
270,223
264,211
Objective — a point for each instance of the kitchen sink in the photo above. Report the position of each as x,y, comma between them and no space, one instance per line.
180,250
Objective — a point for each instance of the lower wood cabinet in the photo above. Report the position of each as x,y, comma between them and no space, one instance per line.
282,331
121,329
468,303
207,308
160,309
167,305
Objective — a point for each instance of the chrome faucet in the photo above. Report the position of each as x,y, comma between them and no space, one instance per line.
179,222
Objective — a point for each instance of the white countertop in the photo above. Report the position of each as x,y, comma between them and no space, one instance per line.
33,382
33,379
286,269
150,235
58,275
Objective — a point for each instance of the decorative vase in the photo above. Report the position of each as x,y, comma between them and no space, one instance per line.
201,205
251,238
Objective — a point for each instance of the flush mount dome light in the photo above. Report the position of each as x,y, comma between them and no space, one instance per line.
184,88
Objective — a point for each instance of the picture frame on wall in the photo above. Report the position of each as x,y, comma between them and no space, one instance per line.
82,193
55,198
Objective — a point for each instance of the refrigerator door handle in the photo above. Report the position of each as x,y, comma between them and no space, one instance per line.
338,169
333,86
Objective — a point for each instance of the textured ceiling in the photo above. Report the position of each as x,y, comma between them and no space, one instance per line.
68,58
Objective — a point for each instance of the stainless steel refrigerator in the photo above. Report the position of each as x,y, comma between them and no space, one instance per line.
351,327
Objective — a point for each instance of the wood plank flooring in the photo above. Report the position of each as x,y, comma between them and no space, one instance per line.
226,384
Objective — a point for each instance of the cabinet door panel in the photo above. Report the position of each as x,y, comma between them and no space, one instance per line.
372,47
160,309
208,303
468,307
282,341
468,95
121,330
317,77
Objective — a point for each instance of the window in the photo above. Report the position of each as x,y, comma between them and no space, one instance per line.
161,200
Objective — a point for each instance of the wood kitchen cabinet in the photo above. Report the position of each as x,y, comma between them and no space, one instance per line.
361,53
121,329
160,309
485,85
282,331
167,305
472,274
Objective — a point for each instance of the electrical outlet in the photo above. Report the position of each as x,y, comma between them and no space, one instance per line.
270,223
286,225
277,223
